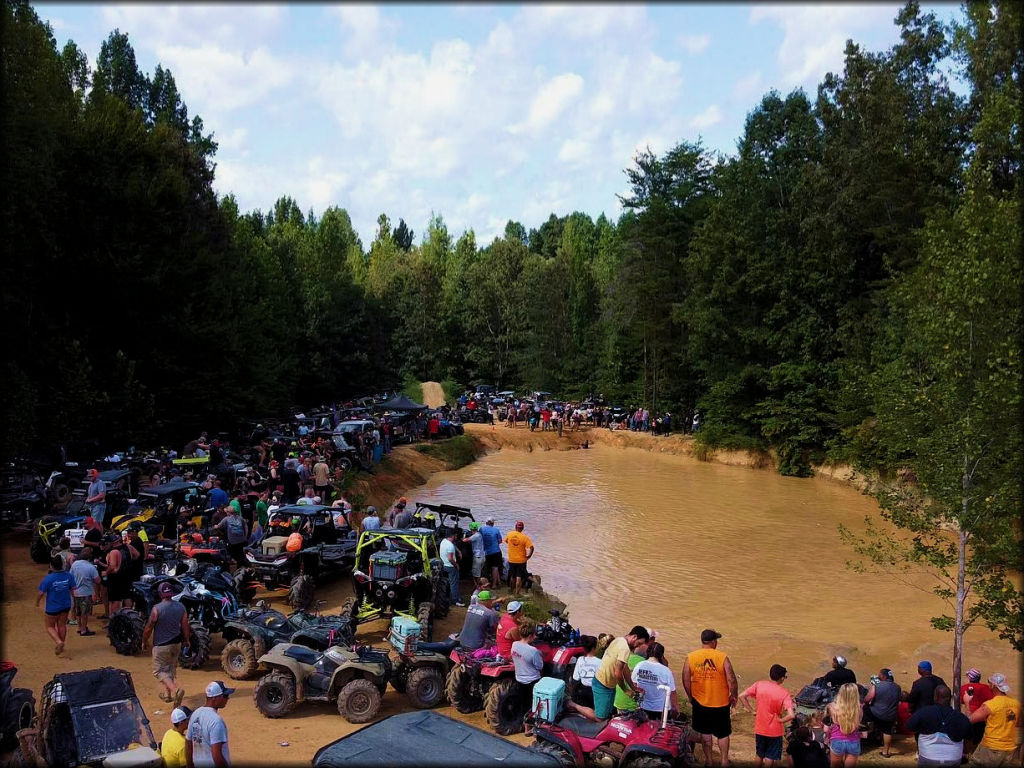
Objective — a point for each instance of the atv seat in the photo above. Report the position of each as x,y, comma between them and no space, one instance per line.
444,647
582,726
276,623
301,654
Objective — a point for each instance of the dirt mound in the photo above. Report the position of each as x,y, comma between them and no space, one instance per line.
433,394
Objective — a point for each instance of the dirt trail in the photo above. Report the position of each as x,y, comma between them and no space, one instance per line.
433,394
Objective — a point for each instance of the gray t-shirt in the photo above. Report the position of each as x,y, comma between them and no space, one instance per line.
478,626
528,662
371,523
167,627
206,728
404,519
85,575
234,529
476,541
887,700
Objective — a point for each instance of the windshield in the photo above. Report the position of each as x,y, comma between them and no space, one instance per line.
109,727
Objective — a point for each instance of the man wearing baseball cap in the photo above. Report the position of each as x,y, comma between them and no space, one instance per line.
168,629
476,543
507,630
710,683
1001,715
520,549
922,692
207,736
96,496
172,746
492,550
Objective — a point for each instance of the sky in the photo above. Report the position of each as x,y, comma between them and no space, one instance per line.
478,113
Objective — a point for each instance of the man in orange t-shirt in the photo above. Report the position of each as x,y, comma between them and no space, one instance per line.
520,549
771,700
710,683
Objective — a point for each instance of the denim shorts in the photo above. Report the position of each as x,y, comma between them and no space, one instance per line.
769,747
844,747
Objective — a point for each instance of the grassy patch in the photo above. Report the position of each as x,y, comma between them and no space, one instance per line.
455,452
452,390
412,389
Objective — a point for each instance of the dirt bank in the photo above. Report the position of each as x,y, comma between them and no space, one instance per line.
433,394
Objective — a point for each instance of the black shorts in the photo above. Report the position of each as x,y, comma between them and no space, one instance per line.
117,589
768,747
494,560
977,732
714,721
517,570
237,552
62,611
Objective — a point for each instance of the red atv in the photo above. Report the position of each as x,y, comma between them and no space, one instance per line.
490,683
632,740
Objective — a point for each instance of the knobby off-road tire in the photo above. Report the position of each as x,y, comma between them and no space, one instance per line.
503,707
300,594
275,694
649,761
400,677
457,688
359,701
561,754
426,687
238,659
125,631
442,599
198,650
425,616
18,714
38,549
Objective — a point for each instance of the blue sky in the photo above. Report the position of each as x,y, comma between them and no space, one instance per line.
479,113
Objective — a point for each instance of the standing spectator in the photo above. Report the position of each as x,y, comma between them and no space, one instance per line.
236,534
217,497
305,470
206,742
263,508
940,731
96,496
172,746
87,583
290,481
520,549
404,516
773,707
844,733
386,429
433,426
57,588
476,543
973,694
651,673
881,705
614,671
118,575
168,629
923,689
710,684
492,550
450,557
322,479
371,522
1001,715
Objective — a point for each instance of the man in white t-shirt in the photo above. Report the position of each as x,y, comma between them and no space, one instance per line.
648,675
449,552
206,740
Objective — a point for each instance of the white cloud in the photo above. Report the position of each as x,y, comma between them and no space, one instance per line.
195,24
574,151
579,21
233,141
709,117
695,44
553,98
815,35
748,87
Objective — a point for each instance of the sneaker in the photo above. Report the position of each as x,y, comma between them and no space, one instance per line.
460,604
72,622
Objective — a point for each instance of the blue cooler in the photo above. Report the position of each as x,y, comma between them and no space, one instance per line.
547,698
404,635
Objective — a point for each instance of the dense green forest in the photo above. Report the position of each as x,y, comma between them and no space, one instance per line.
777,291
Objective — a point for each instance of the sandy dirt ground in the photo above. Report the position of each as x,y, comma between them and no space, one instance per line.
433,394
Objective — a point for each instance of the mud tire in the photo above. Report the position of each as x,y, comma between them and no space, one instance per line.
457,688
442,600
650,761
359,701
38,549
561,754
238,659
425,616
400,677
125,631
274,695
502,707
198,648
300,593
18,714
426,687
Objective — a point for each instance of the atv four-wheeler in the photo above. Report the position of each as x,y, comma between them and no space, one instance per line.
17,706
158,509
422,667
354,678
94,718
490,684
252,632
398,573
49,529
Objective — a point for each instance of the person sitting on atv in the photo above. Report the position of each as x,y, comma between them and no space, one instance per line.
507,631
839,675
480,624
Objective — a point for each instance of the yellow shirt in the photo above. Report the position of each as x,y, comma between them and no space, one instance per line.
518,543
617,650
707,677
1001,723
172,749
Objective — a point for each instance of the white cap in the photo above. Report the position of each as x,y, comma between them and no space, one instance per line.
217,688
179,715
514,606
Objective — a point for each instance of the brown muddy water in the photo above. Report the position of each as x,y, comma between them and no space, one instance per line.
626,536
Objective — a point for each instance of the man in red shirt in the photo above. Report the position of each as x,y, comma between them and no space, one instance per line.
433,426
973,694
771,701
507,627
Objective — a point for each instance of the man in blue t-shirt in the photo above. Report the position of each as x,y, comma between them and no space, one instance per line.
492,551
56,587
217,497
